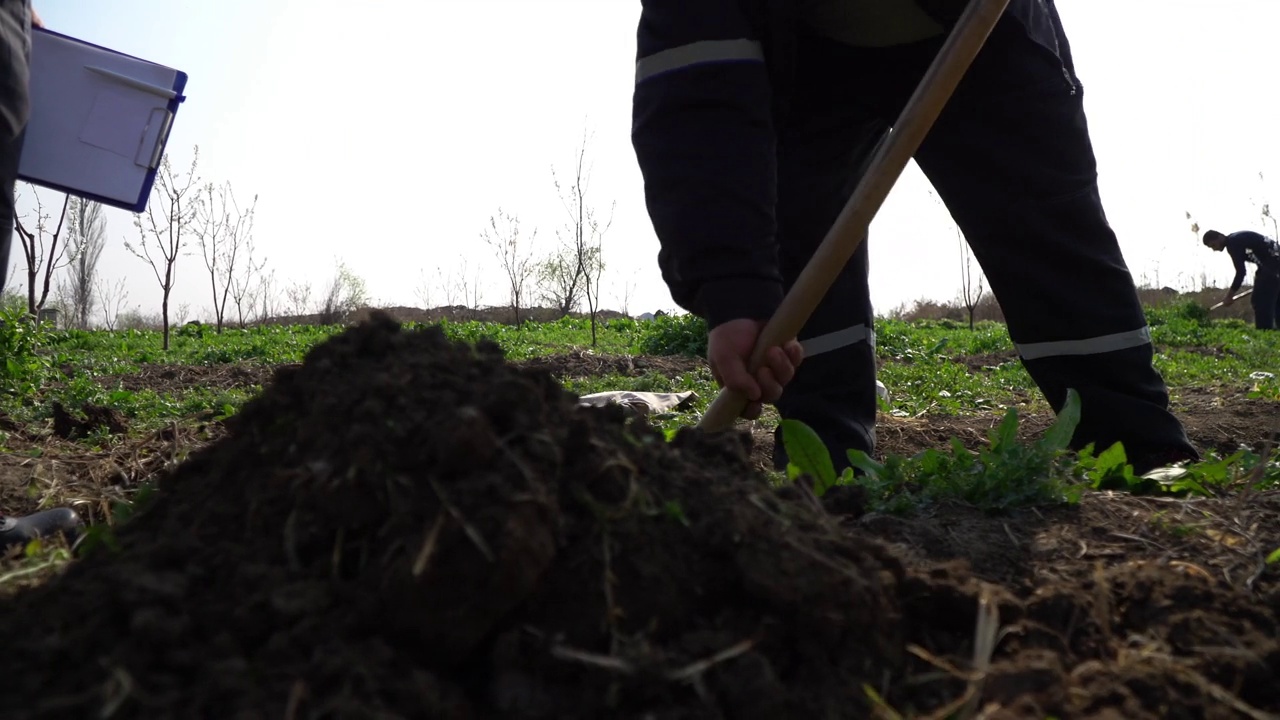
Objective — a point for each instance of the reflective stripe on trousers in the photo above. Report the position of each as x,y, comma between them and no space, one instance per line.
1087,346
838,339
698,53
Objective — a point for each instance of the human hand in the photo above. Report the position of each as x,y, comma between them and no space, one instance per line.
729,348
35,19
1228,300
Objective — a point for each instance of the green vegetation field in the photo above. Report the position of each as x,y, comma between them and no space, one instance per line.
969,466
1224,378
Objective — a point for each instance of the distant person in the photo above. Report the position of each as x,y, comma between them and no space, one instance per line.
1249,246
16,19
752,121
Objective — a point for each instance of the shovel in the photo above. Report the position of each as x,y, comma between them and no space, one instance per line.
1243,294
850,227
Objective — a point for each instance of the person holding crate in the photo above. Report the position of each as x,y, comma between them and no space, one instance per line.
16,19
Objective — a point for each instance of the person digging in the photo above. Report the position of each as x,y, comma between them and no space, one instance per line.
1247,246
752,122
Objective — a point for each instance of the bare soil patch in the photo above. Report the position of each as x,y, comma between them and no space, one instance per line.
42,470
176,378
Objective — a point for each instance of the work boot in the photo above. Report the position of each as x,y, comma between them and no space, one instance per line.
1163,466
22,530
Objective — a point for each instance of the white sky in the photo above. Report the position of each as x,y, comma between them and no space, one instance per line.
384,134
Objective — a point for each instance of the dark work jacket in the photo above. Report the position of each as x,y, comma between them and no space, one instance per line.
1253,247
15,55
711,81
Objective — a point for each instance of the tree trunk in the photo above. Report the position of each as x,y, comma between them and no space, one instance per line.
164,318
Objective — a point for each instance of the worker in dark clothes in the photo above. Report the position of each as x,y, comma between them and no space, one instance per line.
16,18
15,106
752,122
1264,253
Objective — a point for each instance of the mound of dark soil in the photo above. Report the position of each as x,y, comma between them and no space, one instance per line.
403,527
410,526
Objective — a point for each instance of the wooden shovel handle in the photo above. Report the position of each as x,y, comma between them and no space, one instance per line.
887,163
1237,297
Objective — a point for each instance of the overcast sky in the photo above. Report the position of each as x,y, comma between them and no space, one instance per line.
384,134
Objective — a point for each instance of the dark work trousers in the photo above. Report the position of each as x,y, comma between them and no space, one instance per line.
1012,159
10,153
1266,300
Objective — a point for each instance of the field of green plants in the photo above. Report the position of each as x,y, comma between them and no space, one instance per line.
939,374
971,464
947,385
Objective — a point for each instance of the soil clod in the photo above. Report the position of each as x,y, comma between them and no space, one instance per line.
96,418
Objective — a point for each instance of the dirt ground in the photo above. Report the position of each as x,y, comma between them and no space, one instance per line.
402,528
167,378
1215,418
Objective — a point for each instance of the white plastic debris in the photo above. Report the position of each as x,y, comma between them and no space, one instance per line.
640,403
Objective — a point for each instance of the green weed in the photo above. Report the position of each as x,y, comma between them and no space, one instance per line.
23,368
1005,474
673,335
37,561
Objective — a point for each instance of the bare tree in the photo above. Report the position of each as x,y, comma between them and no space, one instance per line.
468,285
1185,281
247,284
42,252
60,300
970,290
1265,212
169,219
558,282
462,281
623,294
346,294
263,300
85,243
515,257
585,239
423,291
971,287
477,287
223,230
593,268
111,299
298,297
450,286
